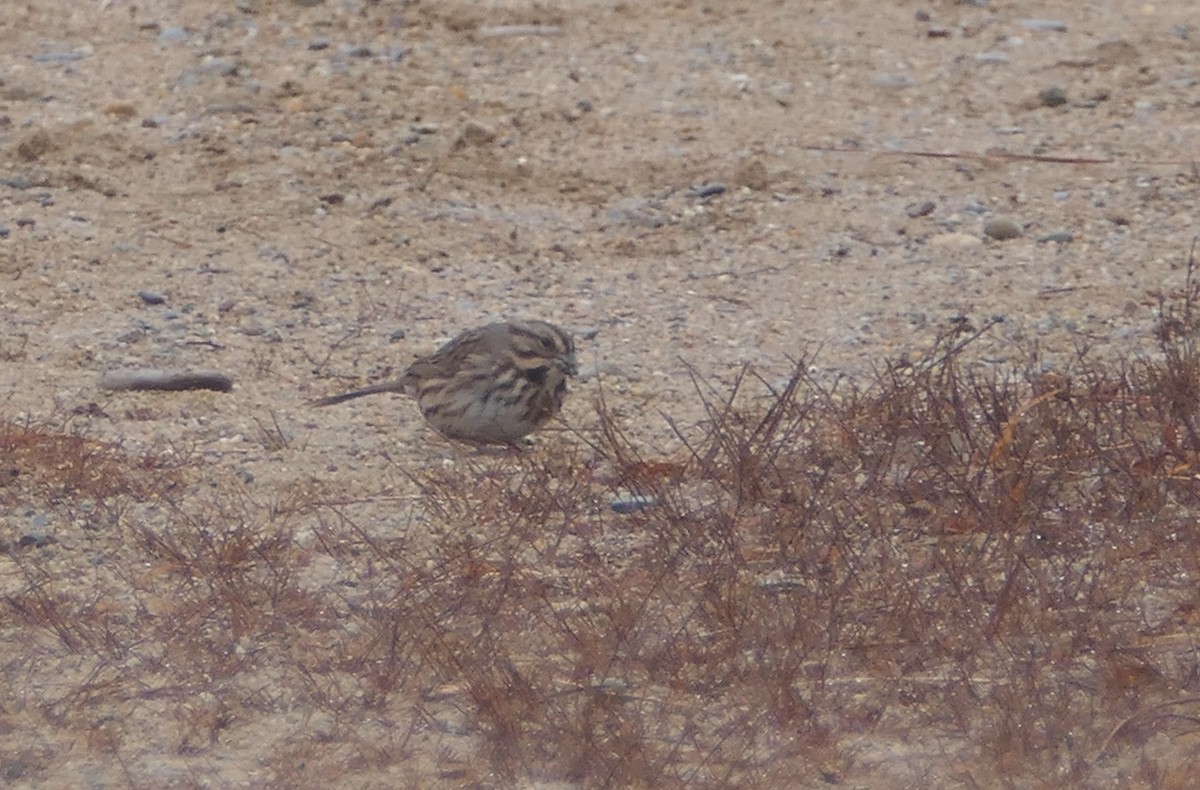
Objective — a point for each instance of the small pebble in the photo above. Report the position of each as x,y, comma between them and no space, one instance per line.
152,297
1002,228
922,209
632,503
397,335
1050,25
475,133
519,30
172,35
709,190
1054,96
1058,237
221,67
59,57
781,581
892,80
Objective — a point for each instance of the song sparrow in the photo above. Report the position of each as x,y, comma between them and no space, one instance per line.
489,385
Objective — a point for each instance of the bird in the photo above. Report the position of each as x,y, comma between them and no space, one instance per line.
493,384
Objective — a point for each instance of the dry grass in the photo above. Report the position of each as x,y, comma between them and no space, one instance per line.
944,578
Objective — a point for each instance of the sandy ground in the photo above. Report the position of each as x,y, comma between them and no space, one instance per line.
307,195
322,193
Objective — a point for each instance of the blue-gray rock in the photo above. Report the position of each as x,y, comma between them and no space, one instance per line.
1050,25
632,503
172,35
708,190
59,57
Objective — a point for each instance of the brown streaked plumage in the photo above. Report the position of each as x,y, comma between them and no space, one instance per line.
489,385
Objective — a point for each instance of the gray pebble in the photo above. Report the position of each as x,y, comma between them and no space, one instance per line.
4,231
59,57
475,133
397,335
709,190
1058,237
893,80
586,333
1002,228
172,35
221,67
36,539
632,503
782,582
922,209
1050,25
152,297
1054,96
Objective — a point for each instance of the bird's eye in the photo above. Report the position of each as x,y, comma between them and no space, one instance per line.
537,375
